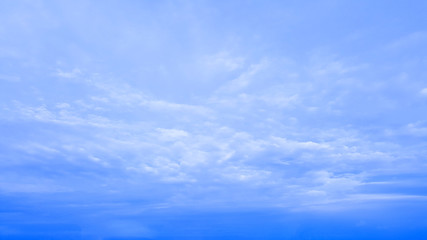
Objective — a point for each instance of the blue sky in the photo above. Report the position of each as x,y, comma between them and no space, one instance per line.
213,119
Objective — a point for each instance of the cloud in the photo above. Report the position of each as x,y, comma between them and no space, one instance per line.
160,105
224,61
409,40
244,79
73,74
171,134
253,134
416,129
323,65
62,116
119,120
10,78
296,145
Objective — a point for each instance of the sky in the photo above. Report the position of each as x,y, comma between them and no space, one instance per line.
213,119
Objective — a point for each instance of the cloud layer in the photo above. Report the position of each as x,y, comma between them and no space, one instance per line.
115,110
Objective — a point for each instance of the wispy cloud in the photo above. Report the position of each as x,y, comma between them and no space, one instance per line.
10,78
122,109
408,40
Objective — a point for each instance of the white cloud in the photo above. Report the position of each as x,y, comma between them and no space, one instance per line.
224,61
327,66
244,174
244,79
249,135
73,74
9,78
160,105
36,148
332,184
408,40
64,115
416,129
171,134
291,145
